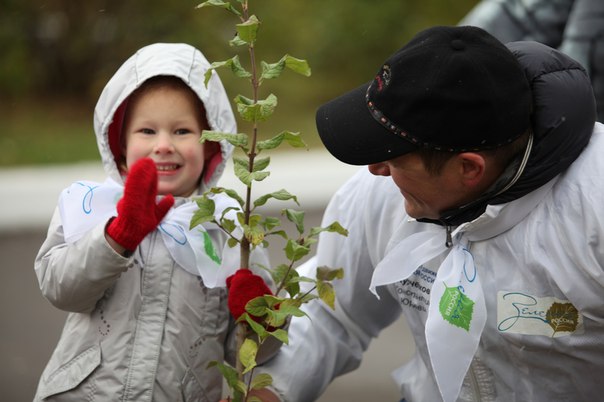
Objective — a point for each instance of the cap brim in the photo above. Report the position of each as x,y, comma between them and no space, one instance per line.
352,135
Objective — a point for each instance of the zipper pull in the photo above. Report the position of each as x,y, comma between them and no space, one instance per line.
449,240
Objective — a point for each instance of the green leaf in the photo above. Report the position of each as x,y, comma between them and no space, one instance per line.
456,308
326,293
248,177
218,3
232,242
291,138
278,273
204,213
296,217
281,335
281,233
281,195
228,225
328,274
270,223
295,251
297,65
254,234
233,63
255,111
291,283
248,30
257,307
262,380
257,328
237,140
306,298
237,41
231,193
230,375
247,354
261,163
334,227
289,307
274,70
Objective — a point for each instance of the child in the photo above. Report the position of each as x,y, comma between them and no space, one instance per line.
146,297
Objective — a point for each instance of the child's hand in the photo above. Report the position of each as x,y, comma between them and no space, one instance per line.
137,212
243,286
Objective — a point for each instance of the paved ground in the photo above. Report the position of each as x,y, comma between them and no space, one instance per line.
30,326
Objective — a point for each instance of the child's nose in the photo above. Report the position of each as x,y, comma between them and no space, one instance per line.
379,169
164,143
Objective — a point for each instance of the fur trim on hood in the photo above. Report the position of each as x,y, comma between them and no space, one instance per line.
173,59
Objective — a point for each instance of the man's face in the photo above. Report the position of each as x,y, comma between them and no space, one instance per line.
426,195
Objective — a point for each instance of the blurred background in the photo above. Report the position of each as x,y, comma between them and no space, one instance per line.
57,56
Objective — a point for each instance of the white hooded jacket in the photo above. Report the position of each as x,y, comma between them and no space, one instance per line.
142,328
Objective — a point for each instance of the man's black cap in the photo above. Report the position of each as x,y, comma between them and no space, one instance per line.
453,89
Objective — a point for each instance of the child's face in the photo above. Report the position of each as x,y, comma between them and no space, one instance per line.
164,124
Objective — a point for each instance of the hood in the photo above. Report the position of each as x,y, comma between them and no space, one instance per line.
563,118
174,59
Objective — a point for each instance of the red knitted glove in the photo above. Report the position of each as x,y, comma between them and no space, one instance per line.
243,286
137,212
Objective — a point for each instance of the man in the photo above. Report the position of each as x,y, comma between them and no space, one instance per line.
479,217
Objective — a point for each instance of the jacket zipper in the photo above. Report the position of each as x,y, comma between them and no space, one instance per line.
474,384
448,240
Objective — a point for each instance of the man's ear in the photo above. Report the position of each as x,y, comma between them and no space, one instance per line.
472,168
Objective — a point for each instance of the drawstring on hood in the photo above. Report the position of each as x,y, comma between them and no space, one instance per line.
179,60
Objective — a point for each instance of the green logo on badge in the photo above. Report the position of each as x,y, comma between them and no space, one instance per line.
456,308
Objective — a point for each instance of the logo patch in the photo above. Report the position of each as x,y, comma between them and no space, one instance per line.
521,313
383,78
456,308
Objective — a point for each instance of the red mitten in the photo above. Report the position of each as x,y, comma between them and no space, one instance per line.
243,286
137,212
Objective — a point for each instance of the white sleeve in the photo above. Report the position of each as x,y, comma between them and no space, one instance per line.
329,343
73,277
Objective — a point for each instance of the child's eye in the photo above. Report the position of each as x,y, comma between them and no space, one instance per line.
183,131
147,131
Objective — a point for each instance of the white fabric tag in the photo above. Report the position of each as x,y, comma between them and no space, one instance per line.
85,204
456,318
457,312
526,314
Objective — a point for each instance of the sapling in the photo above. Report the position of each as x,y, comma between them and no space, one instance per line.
267,315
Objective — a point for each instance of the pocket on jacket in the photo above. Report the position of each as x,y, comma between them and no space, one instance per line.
72,373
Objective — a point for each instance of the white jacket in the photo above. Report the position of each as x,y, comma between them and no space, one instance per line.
142,328
526,263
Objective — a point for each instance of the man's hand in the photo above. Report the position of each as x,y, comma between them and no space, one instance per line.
243,286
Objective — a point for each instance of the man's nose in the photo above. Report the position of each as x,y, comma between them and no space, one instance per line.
379,169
